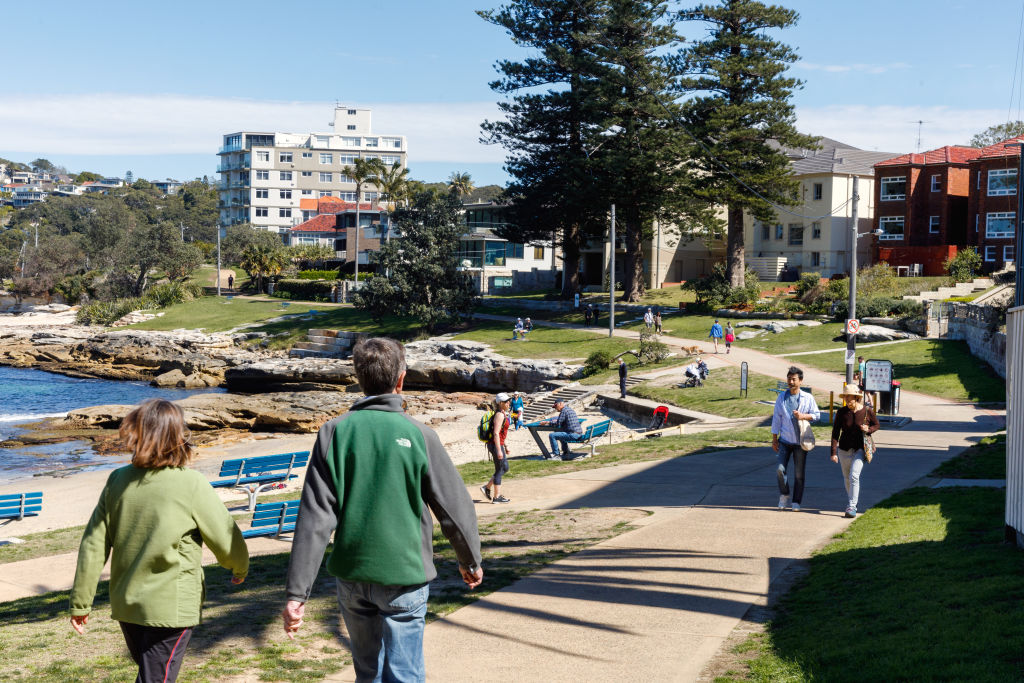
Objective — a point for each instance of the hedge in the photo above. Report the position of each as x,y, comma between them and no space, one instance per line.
304,290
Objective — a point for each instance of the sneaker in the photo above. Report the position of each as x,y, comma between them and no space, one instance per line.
796,507
500,499
783,502
556,457
851,512
486,491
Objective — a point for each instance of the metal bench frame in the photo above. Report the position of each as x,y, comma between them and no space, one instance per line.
593,431
15,507
269,472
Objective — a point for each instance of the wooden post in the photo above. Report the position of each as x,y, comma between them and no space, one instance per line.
831,405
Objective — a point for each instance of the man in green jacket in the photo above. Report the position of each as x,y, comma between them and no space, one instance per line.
374,476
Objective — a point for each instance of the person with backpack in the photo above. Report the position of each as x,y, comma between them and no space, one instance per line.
517,410
494,426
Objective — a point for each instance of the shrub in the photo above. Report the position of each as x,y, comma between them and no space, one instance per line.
713,291
363,275
806,283
597,362
320,275
877,281
169,293
963,266
651,350
304,290
73,287
107,312
880,306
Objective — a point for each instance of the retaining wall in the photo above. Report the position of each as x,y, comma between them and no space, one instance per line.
976,325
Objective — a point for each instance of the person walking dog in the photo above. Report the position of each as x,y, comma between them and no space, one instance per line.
716,334
152,520
374,477
791,406
853,421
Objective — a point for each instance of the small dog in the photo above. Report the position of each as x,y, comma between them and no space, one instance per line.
691,350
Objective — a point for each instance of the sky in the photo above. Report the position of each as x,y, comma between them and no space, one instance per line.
153,87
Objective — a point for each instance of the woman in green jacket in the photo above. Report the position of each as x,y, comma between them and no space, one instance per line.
152,520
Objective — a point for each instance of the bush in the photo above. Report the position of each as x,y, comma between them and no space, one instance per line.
320,275
597,362
963,266
363,275
169,293
880,307
74,287
713,291
651,350
806,283
107,312
878,280
304,290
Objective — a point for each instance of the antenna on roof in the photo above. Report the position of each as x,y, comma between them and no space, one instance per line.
919,125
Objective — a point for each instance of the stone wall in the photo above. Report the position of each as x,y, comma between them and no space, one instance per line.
976,325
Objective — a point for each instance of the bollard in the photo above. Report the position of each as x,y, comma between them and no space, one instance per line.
831,405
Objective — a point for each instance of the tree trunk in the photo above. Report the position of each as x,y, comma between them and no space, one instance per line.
633,278
735,268
570,262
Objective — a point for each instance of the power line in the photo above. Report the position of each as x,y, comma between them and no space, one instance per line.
1014,84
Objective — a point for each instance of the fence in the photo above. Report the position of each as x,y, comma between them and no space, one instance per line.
1015,425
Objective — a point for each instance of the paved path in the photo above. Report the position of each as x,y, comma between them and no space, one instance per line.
656,603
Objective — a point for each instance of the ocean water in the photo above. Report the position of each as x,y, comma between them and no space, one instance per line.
27,395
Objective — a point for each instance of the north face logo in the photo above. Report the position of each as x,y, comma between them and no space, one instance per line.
404,442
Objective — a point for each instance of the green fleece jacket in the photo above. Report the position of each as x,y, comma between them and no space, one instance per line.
374,476
155,521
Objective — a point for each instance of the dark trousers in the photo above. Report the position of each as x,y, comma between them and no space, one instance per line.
622,386
158,651
799,463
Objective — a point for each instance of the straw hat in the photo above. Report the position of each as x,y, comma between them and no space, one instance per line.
851,390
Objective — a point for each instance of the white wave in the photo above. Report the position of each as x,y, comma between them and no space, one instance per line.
28,417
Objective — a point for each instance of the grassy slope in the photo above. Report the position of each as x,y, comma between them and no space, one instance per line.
922,587
545,342
984,460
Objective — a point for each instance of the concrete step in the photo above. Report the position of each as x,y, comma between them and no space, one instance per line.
312,353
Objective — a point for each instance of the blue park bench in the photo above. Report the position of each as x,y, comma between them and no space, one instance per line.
593,431
273,519
255,475
18,506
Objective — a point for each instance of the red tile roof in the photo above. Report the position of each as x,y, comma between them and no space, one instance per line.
950,154
333,205
321,223
1000,149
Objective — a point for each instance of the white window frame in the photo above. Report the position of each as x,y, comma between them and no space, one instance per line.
262,194
978,185
262,175
262,212
322,140
307,155
262,155
1001,173
284,213
934,223
886,220
285,157
325,193
371,196
990,253
816,230
347,159
1000,216
882,183
1008,253
347,196
307,192
371,142
350,126
286,175
816,259
936,183
285,194
307,174
818,191
351,142
326,158
326,177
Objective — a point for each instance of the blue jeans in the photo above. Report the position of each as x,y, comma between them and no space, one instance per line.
560,437
385,627
799,463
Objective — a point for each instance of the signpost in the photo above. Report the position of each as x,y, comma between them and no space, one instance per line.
576,300
878,375
743,378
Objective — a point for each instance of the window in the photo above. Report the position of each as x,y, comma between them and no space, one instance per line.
307,174
347,159
392,143
326,177
286,175
371,142
284,213
347,196
796,234
816,258
285,157
766,232
891,227
325,193
307,193
1001,182
350,127
513,250
286,194
326,158
933,224
262,156
817,191
990,253
1008,252
351,142
307,155
370,157
816,231
342,178
262,212
976,216
778,231
936,183
894,187
999,224
323,140
262,175
351,112
262,194
538,253
390,159
978,184
371,196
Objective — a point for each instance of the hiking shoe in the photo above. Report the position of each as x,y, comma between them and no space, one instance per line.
783,502
486,491
796,507
851,512
500,499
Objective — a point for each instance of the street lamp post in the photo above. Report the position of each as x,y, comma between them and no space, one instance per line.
851,339
611,280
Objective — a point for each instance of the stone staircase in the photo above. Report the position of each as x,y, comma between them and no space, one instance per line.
633,381
325,344
959,289
545,404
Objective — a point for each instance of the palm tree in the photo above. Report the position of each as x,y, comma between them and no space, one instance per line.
393,185
363,171
261,261
460,184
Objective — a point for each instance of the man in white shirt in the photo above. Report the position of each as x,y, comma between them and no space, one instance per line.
790,406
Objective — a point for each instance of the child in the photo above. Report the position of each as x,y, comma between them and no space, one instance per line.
152,519
730,337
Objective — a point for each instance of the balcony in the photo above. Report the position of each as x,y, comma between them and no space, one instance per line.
341,254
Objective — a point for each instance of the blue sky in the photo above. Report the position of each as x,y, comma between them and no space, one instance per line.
151,87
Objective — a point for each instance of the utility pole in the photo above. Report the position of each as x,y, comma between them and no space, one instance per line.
1018,295
851,339
611,280
218,259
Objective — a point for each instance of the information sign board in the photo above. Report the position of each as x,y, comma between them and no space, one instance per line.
851,356
878,375
577,299
743,377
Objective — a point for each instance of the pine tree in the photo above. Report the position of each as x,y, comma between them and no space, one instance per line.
742,112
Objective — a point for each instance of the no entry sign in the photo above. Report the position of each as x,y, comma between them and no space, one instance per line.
852,326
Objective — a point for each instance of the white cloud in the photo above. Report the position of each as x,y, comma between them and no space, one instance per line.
118,124
852,68
894,129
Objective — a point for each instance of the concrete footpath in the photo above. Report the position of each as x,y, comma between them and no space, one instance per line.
656,603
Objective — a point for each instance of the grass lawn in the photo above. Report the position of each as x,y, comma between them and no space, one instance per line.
938,367
921,587
546,342
984,460
720,394
241,637
611,376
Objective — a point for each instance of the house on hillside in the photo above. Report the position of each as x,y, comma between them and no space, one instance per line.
167,186
500,266
922,208
329,221
992,204
814,236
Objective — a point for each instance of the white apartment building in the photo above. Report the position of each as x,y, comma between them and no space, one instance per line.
264,175
815,236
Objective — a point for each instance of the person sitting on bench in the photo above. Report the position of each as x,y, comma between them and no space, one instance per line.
568,427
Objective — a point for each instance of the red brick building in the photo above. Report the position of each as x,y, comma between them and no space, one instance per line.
921,207
992,208
330,221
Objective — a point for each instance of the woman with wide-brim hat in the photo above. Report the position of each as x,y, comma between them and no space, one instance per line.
853,421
